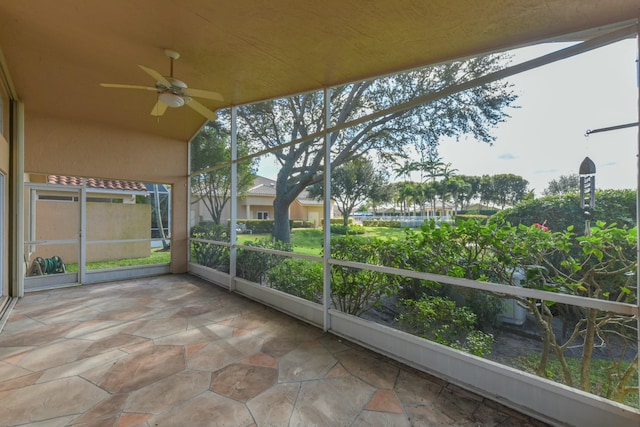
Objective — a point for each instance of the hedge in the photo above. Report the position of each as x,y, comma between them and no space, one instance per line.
303,224
381,223
336,221
350,229
259,226
465,217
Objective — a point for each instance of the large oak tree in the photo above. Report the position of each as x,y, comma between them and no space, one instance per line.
274,123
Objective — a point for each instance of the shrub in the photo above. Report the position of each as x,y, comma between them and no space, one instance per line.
470,250
381,223
441,320
351,229
298,277
561,212
259,226
483,212
485,306
210,231
210,254
336,221
252,265
355,290
303,224
465,217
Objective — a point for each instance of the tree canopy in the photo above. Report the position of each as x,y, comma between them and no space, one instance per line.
504,189
272,124
209,148
565,184
352,184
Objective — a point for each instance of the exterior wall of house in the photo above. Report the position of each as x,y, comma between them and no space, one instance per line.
257,204
254,210
105,221
65,147
306,213
5,161
249,207
296,211
315,214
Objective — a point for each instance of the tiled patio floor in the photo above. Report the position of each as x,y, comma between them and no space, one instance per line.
176,351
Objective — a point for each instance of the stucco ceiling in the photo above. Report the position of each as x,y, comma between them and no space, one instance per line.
248,50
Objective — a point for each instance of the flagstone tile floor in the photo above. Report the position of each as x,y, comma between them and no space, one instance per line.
177,351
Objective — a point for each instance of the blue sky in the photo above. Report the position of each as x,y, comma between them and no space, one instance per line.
545,137
558,103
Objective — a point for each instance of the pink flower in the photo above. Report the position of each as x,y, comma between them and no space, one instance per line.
541,226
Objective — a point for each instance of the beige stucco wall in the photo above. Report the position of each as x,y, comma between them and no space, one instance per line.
5,161
115,221
105,221
64,147
4,215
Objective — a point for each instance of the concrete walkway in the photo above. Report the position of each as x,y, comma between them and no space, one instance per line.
177,351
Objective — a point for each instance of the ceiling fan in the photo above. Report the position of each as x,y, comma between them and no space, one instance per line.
173,92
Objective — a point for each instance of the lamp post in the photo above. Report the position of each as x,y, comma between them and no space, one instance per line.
587,191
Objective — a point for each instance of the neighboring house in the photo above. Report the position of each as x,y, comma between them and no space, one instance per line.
257,203
111,214
98,190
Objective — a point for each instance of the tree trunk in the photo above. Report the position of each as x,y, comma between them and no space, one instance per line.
587,349
281,230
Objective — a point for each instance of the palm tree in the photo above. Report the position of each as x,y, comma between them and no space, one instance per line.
430,191
458,188
407,193
433,167
444,190
418,197
404,169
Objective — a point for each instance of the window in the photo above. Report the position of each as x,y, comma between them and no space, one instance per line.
263,215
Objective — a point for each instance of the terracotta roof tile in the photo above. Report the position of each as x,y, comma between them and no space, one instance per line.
97,183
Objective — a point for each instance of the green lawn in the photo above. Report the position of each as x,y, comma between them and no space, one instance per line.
156,257
308,241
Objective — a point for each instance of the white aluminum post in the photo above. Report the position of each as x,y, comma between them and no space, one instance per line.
234,198
17,209
32,219
326,298
82,233
188,207
638,205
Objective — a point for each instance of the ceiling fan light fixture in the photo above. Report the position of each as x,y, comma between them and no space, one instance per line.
171,100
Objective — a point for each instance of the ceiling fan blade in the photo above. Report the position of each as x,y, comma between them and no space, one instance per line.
199,93
119,86
159,109
201,109
156,75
